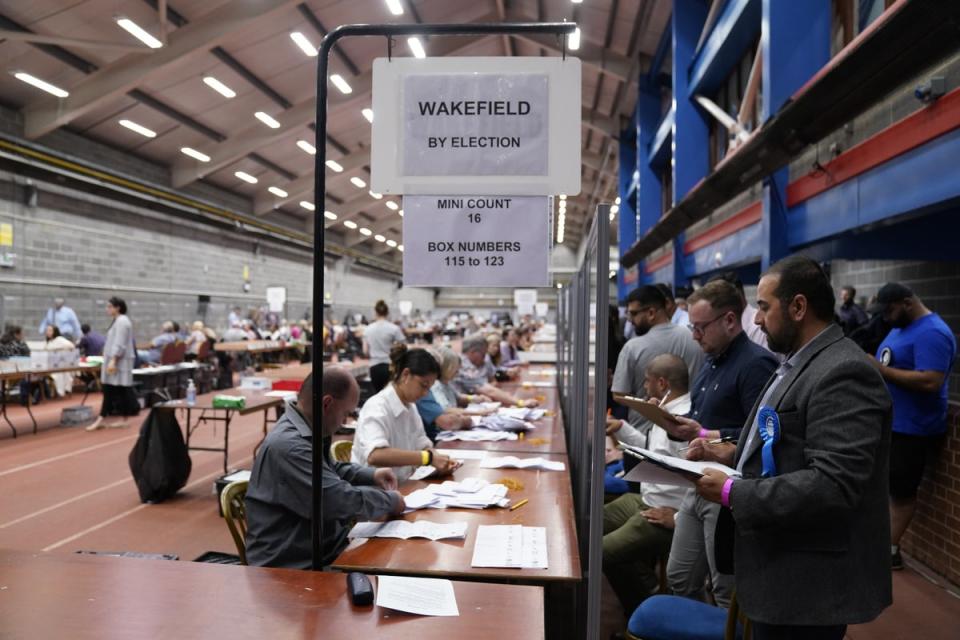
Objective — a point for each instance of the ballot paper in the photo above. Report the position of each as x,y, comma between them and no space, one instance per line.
423,472
538,384
502,422
471,493
462,454
242,474
482,407
510,547
405,530
521,413
423,596
286,395
677,471
492,462
475,435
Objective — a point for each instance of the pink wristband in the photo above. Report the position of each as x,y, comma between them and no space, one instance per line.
725,492
703,433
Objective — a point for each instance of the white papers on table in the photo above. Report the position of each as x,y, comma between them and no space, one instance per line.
405,530
542,372
242,474
423,596
522,413
672,470
492,462
462,454
498,422
475,435
482,407
537,383
510,547
286,395
423,472
471,493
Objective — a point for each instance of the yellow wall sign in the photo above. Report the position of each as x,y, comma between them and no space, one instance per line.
6,234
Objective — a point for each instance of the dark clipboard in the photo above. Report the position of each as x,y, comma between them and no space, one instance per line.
648,410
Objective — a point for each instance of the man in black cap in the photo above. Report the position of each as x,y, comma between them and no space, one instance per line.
915,360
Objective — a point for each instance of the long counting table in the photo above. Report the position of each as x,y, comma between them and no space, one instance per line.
550,505
33,374
89,597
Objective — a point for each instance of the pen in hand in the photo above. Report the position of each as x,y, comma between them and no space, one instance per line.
717,441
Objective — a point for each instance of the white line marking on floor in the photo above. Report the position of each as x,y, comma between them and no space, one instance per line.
64,503
63,456
120,516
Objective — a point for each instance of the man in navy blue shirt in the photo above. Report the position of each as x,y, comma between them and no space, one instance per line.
915,360
723,394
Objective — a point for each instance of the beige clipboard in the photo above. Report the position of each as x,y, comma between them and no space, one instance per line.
648,410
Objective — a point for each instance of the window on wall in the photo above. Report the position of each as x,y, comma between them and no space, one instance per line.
666,188
851,17
730,97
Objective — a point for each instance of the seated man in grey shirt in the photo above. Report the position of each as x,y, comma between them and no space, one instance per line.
280,496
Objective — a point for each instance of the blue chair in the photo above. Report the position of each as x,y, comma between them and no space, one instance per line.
663,617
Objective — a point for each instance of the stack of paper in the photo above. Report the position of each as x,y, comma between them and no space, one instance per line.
425,471
669,470
472,493
491,462
510,547
405,530
482,407
423,596
462,454
476,435
522,413
499,422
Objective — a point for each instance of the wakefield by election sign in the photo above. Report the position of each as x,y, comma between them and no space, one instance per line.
457,126
455,134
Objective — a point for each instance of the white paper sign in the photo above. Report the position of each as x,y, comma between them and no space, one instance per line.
476,124
476,241
276,298
541,308
449,125
406,306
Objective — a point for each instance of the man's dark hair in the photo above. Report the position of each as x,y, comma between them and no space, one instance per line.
800,275
674,369
719,294
731,277
336,382
665,290
85,328
852,290
648,296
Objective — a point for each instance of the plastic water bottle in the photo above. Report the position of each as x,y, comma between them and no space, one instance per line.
191,394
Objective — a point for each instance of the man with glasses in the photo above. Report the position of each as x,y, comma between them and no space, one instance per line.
723,395
655,335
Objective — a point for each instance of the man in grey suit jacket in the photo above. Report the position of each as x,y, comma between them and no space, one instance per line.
811,528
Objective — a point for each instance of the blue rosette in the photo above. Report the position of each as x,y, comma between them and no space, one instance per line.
768,426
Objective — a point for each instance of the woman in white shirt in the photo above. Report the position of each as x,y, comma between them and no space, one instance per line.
389,430
56,342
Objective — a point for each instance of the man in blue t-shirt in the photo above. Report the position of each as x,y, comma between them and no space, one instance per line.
915,360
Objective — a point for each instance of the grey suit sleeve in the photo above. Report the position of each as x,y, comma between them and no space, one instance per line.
354,473
845,418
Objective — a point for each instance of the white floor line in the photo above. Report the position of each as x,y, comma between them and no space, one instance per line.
64,503
63,456
128,512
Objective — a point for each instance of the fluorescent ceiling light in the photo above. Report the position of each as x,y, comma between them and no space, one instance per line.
365,232
375,195
333,164
395,7
304,44
573,40
340,83
392,243
219,87
133,126
277,191
614,209
358,182
617,201
267,119
400,248
138,32
612,216
563,196
392,205
306,146
246,177
400,212
46,86
193,153
350,224
368,114
416,47
329,215
309,206
380,238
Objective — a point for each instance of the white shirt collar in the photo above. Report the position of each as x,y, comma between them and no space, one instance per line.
393,402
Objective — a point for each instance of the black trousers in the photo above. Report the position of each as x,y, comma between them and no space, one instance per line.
119,401
792,632
379,376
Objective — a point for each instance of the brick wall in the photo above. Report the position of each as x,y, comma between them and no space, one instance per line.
934,535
